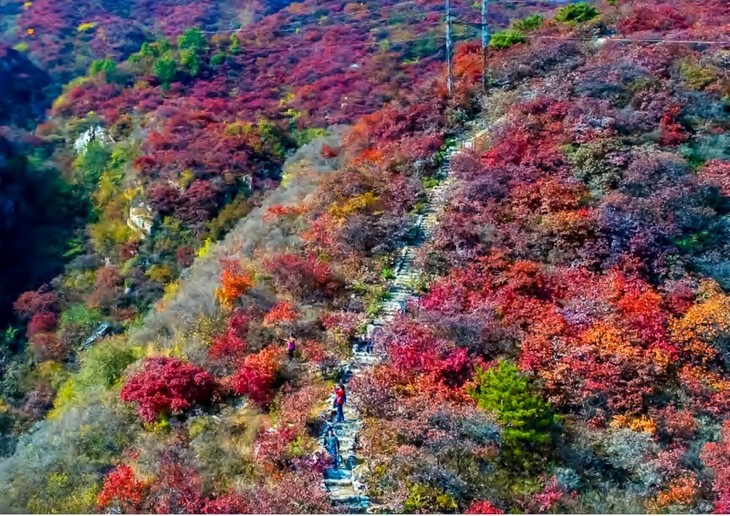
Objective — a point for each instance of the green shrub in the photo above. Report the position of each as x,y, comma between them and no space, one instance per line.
101,368
696,77
387,274
217,59
507,38
576,13
424,498
525,418
106,66
532,22
430,182
192,39
77,322
165,70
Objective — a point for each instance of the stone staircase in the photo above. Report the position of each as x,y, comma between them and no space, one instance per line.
345,491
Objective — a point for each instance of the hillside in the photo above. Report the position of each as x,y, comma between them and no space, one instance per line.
563,344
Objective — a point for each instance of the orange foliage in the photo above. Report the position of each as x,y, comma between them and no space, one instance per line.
704,325
681,491
234,283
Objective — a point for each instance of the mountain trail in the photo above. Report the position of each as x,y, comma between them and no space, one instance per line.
342,482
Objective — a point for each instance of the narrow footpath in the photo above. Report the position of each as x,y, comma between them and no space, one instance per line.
343,487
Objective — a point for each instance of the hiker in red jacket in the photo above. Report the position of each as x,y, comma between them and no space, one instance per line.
340,399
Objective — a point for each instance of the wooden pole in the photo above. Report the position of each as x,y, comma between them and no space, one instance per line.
449,64
486,36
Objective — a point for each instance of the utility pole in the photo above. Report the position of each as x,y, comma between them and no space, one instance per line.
449,64
486,36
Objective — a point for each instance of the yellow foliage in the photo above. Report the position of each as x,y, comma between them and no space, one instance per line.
109,234
87,26
170,291
51,371
286,99
238,128
58,501
66,396
27,5
79,281
367,201
160,274
163,425
186,177
637,424
205,249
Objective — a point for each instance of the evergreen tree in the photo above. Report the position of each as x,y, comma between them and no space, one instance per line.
525,418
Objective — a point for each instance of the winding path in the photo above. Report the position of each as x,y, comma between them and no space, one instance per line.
344,490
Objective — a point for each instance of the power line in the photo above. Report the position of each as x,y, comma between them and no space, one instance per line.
636,40
432,10
343,15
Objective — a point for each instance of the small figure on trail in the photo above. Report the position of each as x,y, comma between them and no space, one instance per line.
352,458
291,347
369,338
340,400
332,445
403,306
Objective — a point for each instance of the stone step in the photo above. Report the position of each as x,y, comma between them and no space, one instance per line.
338,482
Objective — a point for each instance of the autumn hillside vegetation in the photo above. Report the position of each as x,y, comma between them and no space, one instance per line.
568,348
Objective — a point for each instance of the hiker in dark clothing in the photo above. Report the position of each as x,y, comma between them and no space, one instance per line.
340,399
291,347
332,445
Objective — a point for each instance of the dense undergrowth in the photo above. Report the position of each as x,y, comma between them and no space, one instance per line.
569,350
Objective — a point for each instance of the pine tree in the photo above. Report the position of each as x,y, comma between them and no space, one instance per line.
526,420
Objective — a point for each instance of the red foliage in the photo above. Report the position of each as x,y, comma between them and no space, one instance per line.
328,152
47,346
283,312
545,500
306,278
177,489
717,456
658,18
42,322
231,343
167,385
232,503
672,132
185,256
482,507
122,490
107,288
256,376
41,300
278,210
313,351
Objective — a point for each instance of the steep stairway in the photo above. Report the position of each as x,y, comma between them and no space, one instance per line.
341,482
